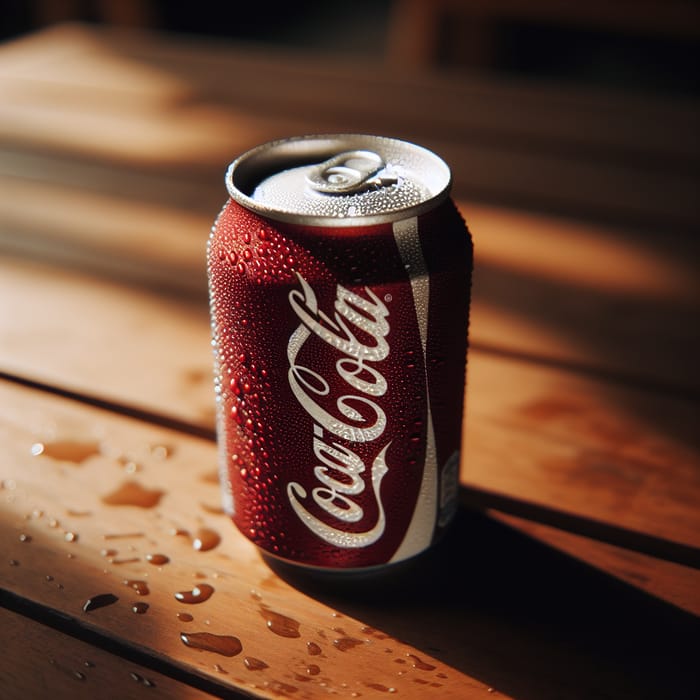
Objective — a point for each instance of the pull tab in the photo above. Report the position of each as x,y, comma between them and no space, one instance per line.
349,172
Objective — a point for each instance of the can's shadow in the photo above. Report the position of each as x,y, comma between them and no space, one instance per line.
522,617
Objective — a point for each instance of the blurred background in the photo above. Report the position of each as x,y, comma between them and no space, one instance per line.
644,45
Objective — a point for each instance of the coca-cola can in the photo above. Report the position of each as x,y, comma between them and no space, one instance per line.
340,275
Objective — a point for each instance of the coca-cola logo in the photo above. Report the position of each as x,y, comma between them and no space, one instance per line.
355,416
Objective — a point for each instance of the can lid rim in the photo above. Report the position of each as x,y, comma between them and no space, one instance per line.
246,171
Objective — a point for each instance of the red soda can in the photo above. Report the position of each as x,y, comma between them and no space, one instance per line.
339,276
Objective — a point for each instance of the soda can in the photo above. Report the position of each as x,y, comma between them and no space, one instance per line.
339,276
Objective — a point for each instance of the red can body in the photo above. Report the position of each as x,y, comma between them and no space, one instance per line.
340,364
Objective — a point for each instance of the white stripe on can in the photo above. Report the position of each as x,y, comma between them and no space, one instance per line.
419,534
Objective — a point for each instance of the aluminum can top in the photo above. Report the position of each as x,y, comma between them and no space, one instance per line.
339,180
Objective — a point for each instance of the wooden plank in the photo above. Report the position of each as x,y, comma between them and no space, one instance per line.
134,241
586,447
671,582
604,298
466,627
142,349
39,661
595,448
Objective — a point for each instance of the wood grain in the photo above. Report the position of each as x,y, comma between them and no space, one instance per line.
584,446
462,613
40,662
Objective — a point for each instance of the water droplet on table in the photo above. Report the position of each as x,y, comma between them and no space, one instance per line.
226,645
142,680
99,601
157,559
132,493
74,451
313,649
141,587
214,510
161,451
419,664
119,562
205,539
346,643
280,624
253,664
198,594
381,688
121,535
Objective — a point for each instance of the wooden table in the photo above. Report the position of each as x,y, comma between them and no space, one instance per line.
571,571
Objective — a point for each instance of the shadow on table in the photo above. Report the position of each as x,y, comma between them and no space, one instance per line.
525,619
